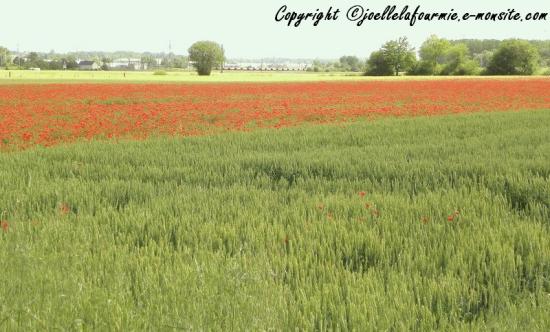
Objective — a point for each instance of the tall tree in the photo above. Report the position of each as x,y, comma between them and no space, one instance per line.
514,57
350,63
399,54
377,65
70,62
433,52
455,57
35,60
205,55
4,56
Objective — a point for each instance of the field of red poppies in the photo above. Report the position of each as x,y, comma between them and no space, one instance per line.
48,114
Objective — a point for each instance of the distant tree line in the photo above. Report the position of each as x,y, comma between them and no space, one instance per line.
347,63
69,61
438,56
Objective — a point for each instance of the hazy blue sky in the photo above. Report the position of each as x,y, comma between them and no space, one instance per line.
245,27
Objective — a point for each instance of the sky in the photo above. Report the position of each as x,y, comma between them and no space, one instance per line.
246,28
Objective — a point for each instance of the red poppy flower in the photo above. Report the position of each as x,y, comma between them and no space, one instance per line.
64,208
5,226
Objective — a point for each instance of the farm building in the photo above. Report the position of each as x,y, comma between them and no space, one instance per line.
88,65
127,64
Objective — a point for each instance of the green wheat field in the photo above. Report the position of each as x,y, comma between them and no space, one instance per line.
398,224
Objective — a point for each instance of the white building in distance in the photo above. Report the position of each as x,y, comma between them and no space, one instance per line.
127,64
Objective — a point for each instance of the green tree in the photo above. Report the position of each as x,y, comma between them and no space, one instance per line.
455,57
514,57
378,66
70,62
205,55
421,68
35,60
350,63
433,52
4,56
543,47
399,54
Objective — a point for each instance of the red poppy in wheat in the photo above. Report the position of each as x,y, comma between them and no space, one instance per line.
5,226
64,208
362,193
453,216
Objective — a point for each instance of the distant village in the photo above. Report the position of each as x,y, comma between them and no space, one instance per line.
35,61
288,66
116,64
